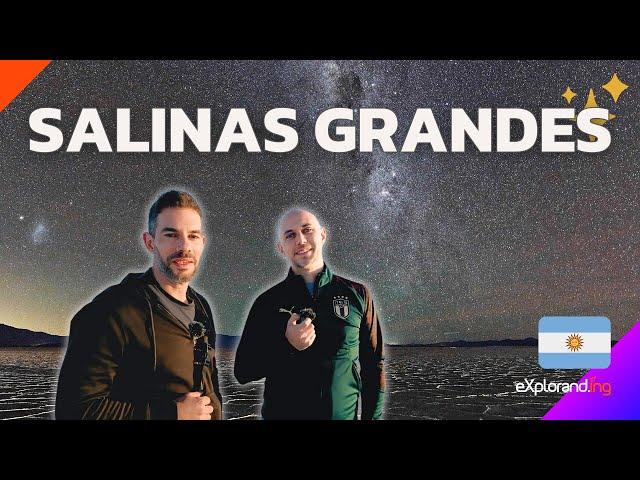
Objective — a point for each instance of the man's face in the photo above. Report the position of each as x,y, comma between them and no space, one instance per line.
301,239
177,244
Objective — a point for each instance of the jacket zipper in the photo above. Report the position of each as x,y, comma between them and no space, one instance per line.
314,302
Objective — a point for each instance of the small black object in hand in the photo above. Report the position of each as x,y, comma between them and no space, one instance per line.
307,313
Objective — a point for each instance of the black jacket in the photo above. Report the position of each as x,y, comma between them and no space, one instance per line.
129,358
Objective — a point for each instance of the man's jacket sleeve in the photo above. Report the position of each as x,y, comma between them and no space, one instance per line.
94,354
263,347
371,362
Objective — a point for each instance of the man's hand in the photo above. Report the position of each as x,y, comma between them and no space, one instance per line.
194,406
300,336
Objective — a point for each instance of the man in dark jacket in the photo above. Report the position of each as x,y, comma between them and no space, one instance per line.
130,353
320,367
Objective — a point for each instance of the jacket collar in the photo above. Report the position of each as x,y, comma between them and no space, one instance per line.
324,277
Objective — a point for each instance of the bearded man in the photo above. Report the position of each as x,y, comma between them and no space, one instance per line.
131,351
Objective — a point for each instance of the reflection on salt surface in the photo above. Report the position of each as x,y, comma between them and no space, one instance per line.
422,383
28,379
466,383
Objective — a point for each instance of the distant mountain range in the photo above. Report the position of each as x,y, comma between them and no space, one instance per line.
228,342
524,342
231,342
20,337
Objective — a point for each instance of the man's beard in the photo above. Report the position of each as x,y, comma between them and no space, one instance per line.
182,277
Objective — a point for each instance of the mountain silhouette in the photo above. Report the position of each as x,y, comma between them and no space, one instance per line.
227,342
524,342
21,337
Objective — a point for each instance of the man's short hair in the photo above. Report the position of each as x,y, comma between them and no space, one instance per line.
289,212
171,199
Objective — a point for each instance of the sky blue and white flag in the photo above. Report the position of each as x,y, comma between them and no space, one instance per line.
574,342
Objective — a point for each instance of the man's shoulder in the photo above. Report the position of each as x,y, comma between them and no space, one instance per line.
274,289
274,292
121,293
343,282
115,299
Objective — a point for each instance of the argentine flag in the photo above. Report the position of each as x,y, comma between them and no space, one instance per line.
574,342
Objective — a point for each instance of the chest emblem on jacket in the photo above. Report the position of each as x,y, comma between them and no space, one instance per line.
341,307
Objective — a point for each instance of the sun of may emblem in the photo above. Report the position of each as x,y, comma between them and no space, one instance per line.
574,342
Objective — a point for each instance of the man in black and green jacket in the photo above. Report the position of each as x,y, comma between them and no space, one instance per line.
319,367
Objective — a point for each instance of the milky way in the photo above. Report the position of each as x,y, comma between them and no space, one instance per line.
453,245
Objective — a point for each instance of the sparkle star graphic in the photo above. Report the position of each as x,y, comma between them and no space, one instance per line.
568,95
591,103
615,87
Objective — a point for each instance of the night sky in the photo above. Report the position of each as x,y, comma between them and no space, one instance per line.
453,245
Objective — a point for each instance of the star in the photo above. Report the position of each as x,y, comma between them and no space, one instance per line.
591,100
615,87
591,103
21,217
568,95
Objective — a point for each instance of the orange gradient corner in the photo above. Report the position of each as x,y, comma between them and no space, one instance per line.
15,75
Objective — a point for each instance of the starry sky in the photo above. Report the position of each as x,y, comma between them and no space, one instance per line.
453,245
